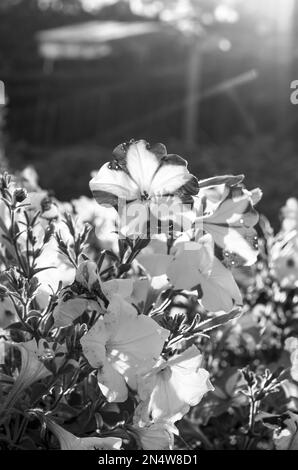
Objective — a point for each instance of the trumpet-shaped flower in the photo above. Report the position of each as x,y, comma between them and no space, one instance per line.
119,344
230,222
141,175
69,441
171,387
194,266
70,305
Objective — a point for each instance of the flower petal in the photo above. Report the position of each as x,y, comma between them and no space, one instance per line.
173,175
141,164
93,344
110,184
220,291
112,384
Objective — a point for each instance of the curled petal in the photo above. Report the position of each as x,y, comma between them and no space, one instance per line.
69,441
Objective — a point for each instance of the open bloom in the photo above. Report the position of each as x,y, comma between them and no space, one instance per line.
137,178
119,344
71,305
172,387
69,441
93,294
193,265
230,219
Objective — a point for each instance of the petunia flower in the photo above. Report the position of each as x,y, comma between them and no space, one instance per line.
230,221
147,177
194,266
88,294
69,441
119,344
172,387
103,219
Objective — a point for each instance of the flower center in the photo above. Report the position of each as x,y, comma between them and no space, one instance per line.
144,196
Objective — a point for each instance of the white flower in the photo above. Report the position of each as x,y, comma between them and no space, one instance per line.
69,441
230,221
172,387
194,266
70,306
119,344
138,176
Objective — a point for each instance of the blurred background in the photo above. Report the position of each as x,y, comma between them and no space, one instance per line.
209,78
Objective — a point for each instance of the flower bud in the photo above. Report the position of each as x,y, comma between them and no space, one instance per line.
20,194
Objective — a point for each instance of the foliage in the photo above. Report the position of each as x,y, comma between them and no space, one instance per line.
113,327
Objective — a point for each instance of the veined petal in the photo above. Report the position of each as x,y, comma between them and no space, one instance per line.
110,184
242,241
220,291
138,341
141,164
191,262
112,384
171,175
174,386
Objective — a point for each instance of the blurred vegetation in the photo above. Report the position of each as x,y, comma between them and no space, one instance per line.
67,120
